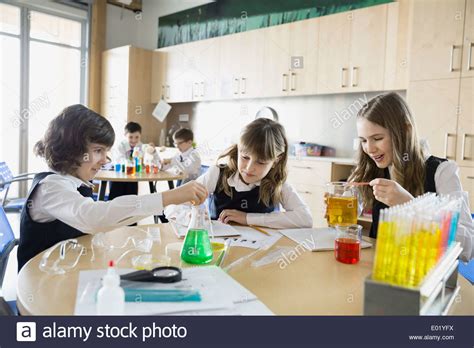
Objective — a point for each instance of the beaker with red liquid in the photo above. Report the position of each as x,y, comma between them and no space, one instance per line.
347,243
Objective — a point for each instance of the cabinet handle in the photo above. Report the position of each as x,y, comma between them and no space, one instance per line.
244,84
446,138
195,89
451,62
354,70
469,56
168,91
163,96
342,77
293,81
202,89
463,145
284,81
236,86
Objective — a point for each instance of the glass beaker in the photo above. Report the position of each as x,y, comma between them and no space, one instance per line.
197,247
347,243
341,204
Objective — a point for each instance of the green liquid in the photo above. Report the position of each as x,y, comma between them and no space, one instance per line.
197,247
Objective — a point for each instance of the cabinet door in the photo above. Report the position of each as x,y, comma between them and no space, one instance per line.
465,152
466,174
178,84
158,74
250,57
276,60
228,84
434,105
367,57
333,57
468,47
437,39
304,37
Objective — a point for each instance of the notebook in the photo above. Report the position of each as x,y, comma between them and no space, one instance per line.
219,229
316,239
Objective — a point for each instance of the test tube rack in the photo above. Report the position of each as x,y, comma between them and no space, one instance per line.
434,296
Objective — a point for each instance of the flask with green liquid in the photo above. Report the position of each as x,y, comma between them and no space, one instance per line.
197,247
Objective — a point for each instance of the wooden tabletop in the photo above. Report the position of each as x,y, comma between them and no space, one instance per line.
109,175
314,283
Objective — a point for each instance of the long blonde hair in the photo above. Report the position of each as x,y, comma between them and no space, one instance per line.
408,165
265,139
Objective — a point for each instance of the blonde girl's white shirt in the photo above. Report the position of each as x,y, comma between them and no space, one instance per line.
56,198
296,214
447,182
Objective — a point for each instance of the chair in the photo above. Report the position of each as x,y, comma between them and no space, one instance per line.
6,179
7,243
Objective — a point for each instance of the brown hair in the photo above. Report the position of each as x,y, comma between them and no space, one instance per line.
132,127
265,139
184,134
391,112
68,136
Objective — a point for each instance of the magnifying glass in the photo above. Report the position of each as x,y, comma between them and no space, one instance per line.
165,274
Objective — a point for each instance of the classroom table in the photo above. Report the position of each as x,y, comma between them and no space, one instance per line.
312,284
108,175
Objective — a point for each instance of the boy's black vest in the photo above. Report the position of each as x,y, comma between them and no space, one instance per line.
246,201
431,165
36,237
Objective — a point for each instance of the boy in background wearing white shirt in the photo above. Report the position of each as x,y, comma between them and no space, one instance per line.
124,151
188,160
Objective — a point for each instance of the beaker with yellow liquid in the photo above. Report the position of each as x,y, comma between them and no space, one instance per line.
341,204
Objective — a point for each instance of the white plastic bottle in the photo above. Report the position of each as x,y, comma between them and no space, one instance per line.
111,297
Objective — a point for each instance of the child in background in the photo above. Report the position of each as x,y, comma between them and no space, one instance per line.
391,158
188,161
59,205
124,152
253,184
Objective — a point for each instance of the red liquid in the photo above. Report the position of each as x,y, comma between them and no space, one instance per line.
155,169
147,169
130,170
347,250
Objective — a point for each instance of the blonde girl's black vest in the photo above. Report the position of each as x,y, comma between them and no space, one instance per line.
36,237
431,166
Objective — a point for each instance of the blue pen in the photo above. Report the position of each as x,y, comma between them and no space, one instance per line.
161,295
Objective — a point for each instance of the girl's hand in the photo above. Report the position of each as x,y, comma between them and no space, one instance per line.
390,192
228,215
192,192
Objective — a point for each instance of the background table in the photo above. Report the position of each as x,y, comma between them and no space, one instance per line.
108,175
313,284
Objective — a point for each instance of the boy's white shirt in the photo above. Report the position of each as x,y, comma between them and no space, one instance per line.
296,214
190,165
123,149
57,198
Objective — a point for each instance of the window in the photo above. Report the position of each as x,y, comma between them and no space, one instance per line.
43,68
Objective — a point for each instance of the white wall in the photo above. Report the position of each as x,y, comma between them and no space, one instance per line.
124,27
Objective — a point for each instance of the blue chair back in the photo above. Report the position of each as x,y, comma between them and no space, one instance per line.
7,243
5,175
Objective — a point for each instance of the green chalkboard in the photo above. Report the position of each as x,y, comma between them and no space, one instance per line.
225,17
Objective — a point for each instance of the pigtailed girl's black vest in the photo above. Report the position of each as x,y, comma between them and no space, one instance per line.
431,165
36,237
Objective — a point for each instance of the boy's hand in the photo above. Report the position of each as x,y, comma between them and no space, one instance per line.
192,192
390,192
228,215
165,161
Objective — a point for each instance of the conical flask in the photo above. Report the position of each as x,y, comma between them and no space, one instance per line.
197,247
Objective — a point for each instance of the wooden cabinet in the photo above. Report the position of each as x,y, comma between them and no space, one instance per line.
352,51
240,65
437,39
465,130
125,90
290,58
467,69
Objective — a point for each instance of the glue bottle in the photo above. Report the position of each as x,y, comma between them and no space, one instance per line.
111,297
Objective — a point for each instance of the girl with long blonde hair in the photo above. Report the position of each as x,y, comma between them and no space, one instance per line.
391,159
252,185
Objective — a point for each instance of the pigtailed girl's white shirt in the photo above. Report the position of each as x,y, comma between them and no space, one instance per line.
57,198
296,214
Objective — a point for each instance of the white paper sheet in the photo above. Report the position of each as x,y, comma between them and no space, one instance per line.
316,239
161,110
220,294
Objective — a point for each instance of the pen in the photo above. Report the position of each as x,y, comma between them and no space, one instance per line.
260,230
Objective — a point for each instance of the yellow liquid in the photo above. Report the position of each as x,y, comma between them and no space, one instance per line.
342,210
